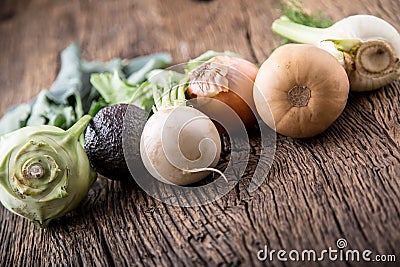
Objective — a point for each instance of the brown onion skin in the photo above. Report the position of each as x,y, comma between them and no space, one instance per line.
239,97
300,90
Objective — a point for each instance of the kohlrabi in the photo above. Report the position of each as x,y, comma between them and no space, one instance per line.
44,171
368,47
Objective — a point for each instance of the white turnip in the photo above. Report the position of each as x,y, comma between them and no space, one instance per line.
179,144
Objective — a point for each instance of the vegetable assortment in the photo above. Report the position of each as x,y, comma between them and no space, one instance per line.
48,163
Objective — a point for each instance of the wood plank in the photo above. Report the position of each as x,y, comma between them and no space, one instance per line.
341,184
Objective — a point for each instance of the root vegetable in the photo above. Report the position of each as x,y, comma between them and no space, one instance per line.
305,88
228,79
367,46
179,144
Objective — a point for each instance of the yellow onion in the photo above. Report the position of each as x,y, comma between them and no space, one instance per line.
228,79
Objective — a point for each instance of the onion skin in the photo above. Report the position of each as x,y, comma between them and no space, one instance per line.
237,93
300,90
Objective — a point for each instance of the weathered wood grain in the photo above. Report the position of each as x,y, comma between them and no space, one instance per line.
343,183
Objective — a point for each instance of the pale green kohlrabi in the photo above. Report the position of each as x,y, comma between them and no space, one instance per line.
368,47
44,171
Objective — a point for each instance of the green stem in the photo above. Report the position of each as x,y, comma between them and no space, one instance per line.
77,129
297,32
166,97
140,92
78,105
174,93
157,98
194,63
181,98
170,91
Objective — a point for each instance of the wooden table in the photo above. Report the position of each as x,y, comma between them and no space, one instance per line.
341,184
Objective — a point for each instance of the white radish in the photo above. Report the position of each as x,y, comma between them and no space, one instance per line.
179,144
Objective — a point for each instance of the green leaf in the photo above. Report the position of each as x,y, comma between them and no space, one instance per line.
194,63
14,118
45,111
72,94
96,66
112,88
138,68
67,88
295,12
97,106
143,97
